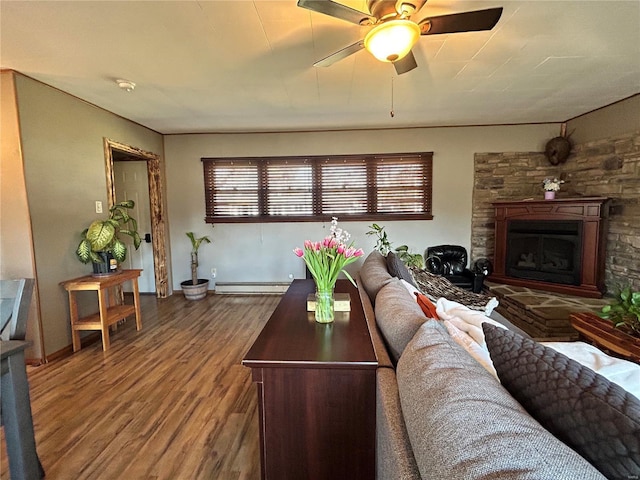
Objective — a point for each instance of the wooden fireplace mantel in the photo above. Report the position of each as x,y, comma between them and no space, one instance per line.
593,212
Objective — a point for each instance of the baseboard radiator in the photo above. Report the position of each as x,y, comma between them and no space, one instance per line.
251,288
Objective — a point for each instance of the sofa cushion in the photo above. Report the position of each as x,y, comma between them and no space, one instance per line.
380,348
398,317
374,274
463,424
398,269
394,456
597,418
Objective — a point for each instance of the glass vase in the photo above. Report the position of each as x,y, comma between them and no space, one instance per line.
324,305
549,195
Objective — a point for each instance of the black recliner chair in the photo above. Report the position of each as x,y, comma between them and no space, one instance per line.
450,261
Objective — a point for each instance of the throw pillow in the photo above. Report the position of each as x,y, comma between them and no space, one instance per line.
435,286
426,305
597,418
374,274
398,269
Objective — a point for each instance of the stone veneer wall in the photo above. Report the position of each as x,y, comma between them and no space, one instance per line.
604,168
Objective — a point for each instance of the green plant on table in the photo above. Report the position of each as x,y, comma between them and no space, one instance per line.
624,311
102,236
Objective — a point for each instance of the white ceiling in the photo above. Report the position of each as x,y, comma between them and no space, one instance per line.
228,66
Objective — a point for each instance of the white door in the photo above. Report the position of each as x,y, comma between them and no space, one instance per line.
132,183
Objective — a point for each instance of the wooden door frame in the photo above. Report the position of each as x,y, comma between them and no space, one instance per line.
158,225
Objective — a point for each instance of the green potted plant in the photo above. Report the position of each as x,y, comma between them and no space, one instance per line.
624,311
196,288
383,245
410,259
101,243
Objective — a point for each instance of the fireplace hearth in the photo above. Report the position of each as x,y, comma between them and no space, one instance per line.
553,245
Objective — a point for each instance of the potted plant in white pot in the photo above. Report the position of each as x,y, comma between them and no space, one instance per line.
196,288
101,243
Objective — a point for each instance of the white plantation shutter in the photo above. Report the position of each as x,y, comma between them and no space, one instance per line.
353,187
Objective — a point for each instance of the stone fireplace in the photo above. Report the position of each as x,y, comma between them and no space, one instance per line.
552,245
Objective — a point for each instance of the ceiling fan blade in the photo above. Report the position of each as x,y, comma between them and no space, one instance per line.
410,6
405,64
340,54
461,22
337,10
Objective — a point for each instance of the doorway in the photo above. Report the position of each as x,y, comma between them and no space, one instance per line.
126,169
131,183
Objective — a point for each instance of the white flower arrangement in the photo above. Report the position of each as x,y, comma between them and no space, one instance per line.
551,184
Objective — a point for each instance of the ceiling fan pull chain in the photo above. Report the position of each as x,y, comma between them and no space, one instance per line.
391,112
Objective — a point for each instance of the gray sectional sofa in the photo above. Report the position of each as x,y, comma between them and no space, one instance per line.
440,414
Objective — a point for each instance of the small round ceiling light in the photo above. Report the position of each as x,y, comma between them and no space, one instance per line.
126,85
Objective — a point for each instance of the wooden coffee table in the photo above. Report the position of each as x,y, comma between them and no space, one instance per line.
316,390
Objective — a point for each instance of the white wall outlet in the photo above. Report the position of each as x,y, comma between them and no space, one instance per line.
98,206
214,272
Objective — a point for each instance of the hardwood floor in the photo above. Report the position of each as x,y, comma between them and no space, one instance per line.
169,402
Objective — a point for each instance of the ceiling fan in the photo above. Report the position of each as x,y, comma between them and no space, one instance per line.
394,33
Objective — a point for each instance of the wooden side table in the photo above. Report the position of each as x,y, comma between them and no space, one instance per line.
112,308
604,335
316,391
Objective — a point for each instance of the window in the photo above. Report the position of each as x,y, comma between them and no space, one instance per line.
285,189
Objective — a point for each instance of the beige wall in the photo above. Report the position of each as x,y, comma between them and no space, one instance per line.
263,252
62,142
16,246
616,119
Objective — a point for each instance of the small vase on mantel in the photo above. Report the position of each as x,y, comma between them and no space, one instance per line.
324,312
549,195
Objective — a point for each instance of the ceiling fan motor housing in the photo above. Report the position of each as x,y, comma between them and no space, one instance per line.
382,9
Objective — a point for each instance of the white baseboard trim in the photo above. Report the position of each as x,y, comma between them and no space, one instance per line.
249,288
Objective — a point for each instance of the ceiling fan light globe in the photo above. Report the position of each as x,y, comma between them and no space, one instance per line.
392,40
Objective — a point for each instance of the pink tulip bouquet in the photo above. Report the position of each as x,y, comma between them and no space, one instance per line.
326,259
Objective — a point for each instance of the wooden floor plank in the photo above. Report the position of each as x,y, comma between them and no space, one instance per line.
169,402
